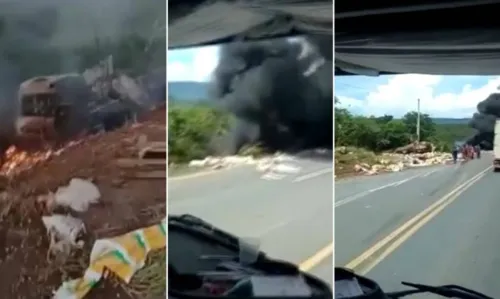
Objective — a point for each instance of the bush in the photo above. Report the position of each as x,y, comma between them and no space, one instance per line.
386,133
192,129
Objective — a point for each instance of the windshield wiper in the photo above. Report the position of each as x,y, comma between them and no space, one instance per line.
450,291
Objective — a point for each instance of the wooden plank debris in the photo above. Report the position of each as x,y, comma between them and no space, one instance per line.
126,163
154,150
149,175
151,154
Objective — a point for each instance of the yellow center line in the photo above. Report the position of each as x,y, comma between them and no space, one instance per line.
415,223
317,258
408,234
405,231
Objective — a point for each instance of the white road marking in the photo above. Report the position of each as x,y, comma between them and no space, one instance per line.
406,180
365,193
431,172
313,175
272,176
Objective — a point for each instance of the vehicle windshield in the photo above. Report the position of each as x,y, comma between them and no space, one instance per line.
250,137
408,208
39,104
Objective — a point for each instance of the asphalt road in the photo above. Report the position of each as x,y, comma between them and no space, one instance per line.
290,216
457,243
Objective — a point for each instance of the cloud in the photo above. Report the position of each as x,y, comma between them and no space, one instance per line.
195,64
440,96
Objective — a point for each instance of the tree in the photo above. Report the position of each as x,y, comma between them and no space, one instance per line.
387,133
427,126
384,119
195,126
394,133
375,133
192,129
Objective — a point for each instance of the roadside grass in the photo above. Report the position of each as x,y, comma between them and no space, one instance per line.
150,281
347,157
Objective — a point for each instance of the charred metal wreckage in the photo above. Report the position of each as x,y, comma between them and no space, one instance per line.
59,107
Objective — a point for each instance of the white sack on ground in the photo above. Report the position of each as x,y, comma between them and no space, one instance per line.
78,195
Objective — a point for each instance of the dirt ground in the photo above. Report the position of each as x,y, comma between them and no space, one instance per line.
127,203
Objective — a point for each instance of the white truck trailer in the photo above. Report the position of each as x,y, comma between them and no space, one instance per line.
496,147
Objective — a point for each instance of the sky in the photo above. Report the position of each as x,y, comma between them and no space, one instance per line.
195,64
440,96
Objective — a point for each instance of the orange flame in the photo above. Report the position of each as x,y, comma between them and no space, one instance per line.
16,160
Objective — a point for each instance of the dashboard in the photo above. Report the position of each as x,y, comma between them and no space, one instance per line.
206,262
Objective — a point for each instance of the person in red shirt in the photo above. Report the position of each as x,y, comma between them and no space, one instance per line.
471,152
464,153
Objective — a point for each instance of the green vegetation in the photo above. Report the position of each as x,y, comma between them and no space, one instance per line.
150,281
385,133
195,125
192,129
196,130
361,140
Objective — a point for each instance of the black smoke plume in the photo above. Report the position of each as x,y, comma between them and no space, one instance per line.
280,92
484,121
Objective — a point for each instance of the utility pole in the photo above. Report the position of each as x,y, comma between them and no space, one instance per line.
418,120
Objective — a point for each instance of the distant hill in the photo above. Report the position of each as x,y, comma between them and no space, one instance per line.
188,91
451,121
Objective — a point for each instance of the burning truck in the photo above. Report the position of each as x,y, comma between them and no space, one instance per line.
51,108
54,109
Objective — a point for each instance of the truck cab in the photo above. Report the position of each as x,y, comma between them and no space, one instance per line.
38,102
51,107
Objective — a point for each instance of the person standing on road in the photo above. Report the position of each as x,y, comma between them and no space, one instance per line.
465,153
454,153
471,152
478,151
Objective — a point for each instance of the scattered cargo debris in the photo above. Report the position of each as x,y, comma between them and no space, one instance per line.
412,155
277,165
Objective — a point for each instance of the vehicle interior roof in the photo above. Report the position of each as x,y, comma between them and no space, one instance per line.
458,37
200,22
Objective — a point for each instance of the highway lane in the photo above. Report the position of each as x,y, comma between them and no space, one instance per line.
455,242
369,208
290,216
459,246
